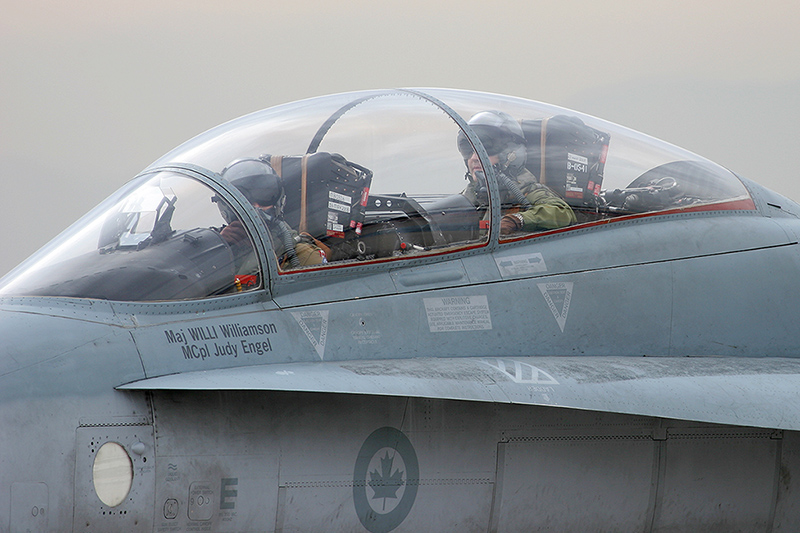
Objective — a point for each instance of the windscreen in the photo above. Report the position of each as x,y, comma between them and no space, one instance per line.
170,237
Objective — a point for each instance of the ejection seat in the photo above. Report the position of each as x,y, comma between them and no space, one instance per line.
325,197
569,157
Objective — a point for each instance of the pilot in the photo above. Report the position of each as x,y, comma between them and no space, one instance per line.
262,187
527,204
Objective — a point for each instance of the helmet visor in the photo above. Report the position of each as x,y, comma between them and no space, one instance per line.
491,141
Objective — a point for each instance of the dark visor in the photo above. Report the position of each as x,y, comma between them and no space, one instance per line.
491,143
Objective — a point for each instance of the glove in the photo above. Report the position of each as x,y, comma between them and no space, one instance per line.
234,232
509,224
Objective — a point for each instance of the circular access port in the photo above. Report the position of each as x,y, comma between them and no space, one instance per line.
112,474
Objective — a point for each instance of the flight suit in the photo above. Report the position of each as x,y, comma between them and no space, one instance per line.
547,210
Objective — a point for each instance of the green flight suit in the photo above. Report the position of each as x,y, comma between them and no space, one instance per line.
547,210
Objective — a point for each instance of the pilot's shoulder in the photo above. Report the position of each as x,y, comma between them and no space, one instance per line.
537,193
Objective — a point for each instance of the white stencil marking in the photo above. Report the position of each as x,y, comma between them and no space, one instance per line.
558,296
458,313
315,325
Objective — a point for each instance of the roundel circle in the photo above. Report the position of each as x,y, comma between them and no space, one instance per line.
385,480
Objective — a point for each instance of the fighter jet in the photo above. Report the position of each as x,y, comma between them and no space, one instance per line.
409,310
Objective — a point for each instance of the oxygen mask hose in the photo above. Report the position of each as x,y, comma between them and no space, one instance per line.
513,188
285,234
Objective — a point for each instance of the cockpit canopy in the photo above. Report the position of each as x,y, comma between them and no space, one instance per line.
364,178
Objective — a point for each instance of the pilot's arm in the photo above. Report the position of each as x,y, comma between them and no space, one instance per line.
547,211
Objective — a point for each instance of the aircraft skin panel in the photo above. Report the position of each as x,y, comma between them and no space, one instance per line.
708,304
213,348
635,242
288,461
738,391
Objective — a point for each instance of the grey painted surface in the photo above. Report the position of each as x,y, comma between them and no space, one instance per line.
634,375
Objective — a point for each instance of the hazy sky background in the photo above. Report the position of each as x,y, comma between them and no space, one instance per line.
91,92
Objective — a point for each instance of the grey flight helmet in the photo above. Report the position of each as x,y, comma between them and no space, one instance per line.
257,181
500,135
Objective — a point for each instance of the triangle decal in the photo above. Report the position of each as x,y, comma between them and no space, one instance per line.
315,325
558,296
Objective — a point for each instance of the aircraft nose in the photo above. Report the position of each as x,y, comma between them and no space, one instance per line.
47,348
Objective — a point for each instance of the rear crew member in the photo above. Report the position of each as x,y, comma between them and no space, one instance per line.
526,204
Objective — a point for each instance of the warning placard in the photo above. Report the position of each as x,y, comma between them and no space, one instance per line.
458,313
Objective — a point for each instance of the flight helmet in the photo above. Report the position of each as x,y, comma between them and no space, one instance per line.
500,135
257,181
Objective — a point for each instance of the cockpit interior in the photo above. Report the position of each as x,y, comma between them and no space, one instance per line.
361,179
